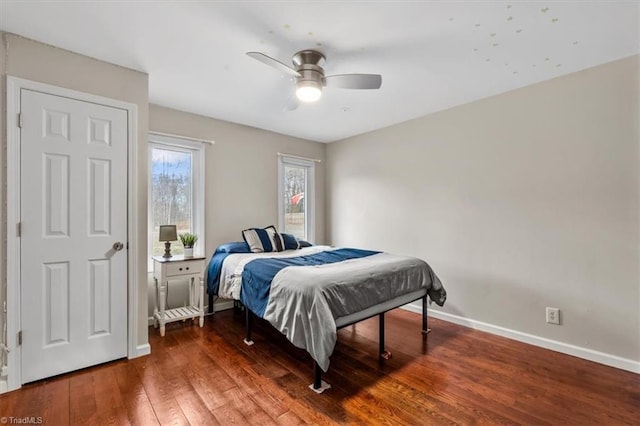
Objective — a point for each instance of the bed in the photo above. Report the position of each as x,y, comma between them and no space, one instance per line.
308,293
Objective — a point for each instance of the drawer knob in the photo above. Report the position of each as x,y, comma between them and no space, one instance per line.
179,269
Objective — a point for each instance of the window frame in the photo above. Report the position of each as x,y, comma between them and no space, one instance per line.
197,150
309,195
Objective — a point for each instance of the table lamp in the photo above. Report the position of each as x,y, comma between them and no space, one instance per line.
168,233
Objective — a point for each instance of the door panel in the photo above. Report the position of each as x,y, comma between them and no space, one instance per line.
56,195
73,209
100,285
56,303
99,193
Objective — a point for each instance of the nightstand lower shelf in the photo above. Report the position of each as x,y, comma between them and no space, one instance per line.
177,314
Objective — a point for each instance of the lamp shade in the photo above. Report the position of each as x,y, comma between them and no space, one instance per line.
168,233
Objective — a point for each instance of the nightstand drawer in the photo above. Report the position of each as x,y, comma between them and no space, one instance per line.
183,268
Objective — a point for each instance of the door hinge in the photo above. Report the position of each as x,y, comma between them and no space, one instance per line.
19,229
20,120
20,338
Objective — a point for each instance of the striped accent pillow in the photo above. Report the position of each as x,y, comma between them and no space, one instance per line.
263,240
277,243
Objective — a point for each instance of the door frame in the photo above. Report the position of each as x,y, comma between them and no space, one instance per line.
13,314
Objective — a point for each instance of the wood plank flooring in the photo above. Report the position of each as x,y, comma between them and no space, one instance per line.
208,376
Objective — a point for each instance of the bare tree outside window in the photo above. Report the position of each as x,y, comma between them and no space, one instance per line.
171,194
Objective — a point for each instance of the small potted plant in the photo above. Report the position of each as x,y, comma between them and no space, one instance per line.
188,241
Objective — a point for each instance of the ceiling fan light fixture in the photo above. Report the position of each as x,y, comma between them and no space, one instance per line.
308,90
309,77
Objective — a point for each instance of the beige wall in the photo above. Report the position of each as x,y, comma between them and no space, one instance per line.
39,62
520,201
241,176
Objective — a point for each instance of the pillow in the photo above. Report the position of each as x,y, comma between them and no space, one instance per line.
290,242
276,239
235,247
304,243
263,240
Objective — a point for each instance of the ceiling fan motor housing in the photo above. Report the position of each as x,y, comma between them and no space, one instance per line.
311,57
309,64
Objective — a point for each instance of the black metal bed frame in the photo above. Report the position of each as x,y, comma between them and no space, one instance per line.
382,353
210,309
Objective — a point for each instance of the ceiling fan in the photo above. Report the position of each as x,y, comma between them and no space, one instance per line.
309,76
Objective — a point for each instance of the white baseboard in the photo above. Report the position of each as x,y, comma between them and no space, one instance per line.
142,350
217,307
222,306
554,345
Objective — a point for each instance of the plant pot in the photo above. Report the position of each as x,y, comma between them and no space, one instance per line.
188,252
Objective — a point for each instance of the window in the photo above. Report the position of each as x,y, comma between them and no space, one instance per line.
296,197
176,191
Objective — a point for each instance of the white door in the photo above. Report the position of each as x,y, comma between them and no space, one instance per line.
73,209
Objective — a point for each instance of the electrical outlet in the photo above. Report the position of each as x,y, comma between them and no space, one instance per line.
553,315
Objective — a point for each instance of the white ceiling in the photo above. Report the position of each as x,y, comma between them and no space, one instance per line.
432,54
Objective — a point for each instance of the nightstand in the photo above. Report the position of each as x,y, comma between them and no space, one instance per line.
178,267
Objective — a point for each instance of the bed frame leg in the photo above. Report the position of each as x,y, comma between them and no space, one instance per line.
425,329
210,303
249,324
383,353
317,378
318,385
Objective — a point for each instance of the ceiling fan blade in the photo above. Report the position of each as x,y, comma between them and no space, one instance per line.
274,63
354,81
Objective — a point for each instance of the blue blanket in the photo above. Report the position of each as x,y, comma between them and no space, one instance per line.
215,264
258,274
213,272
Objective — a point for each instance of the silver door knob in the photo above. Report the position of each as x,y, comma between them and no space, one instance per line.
118,246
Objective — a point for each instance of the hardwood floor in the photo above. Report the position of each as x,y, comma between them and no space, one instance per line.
457,375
